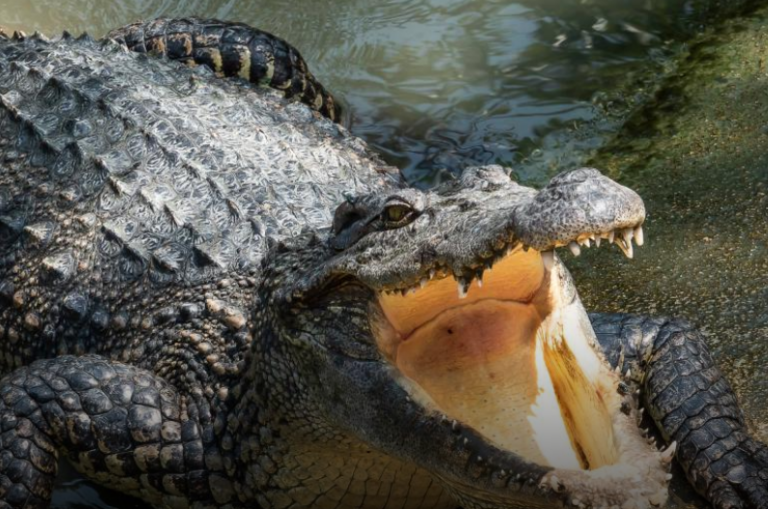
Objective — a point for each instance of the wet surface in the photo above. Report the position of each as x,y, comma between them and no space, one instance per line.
439,84
536,84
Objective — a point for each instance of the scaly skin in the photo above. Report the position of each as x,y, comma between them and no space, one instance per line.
232,50
185,318
691,403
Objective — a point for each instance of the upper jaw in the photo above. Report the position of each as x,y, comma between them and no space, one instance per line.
579,203
465,232
469,225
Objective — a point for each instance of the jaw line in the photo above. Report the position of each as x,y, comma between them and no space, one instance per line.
516,277
540,334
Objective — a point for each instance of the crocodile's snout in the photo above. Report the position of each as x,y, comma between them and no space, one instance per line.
466,226
579,207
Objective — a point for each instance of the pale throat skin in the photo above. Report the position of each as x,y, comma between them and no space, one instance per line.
483,359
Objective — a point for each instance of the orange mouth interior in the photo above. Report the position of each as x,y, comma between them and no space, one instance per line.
509,359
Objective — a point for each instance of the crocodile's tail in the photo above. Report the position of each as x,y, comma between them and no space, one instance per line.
232,50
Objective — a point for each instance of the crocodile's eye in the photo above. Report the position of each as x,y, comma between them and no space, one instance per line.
398,214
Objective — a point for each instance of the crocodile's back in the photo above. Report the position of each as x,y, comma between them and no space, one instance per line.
128,182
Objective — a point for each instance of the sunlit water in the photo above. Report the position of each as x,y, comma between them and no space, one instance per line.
435,85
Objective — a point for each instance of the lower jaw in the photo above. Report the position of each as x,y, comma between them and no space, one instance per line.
529,384
536,387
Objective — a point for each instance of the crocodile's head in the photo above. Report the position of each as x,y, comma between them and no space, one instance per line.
440,328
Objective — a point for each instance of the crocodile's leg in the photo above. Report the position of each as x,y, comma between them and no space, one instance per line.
233,50
692,404
118,425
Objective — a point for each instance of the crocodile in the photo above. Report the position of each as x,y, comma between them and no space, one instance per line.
213,296
231,49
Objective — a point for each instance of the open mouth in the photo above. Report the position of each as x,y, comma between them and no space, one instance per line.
512,355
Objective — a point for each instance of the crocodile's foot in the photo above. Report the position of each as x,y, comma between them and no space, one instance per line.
737,472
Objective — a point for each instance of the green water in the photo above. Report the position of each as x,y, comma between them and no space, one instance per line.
437,84
538,85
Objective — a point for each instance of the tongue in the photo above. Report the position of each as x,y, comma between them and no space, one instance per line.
479,364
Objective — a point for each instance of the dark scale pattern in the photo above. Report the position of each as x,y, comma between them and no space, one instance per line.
692,404
137,198
232,50
118,424
126,180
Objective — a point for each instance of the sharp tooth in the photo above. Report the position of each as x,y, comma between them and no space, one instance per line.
625,242
639,239
669,453
462,289
611,236
574,247
424,282
479,278
627,235
597,241
431,273
627,249
549,259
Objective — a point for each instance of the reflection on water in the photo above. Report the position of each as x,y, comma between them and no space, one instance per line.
435,85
